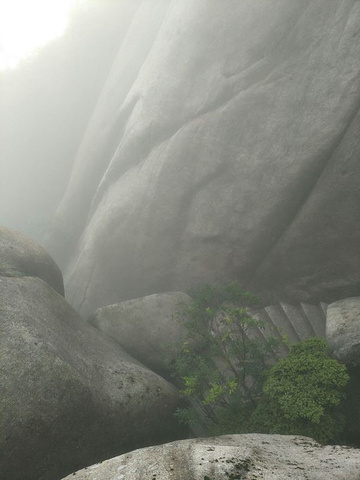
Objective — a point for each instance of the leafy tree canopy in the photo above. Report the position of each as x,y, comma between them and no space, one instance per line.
226,367
223,359
303,392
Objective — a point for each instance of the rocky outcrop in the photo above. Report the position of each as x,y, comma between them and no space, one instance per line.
145,328
343,330
224,146
21,256
251,457
69,396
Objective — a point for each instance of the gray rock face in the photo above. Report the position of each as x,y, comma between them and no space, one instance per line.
19,255
253,456
343,330
224,146
144,327
69,396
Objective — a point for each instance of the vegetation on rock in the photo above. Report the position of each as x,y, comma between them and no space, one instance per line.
230,380
222,362
302,394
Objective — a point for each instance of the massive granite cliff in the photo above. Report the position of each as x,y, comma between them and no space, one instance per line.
225,145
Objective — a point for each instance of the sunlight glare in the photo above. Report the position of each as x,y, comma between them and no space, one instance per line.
26,25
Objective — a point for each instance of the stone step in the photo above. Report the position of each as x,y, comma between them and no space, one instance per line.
271,330
299,321
317,318
279,318
296,322
324,307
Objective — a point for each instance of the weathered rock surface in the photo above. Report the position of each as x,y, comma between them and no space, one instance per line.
343,330
19,255
144,327
69,396
224,146
251,457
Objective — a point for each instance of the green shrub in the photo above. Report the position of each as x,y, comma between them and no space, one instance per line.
222,361
303,393
229,379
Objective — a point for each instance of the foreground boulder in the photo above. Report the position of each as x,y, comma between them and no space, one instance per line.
145,328
21,256
229,149
252,456
69,396
343,330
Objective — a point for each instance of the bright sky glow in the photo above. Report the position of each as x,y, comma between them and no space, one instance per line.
26,25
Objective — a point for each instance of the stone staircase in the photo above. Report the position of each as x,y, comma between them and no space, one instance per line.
296,322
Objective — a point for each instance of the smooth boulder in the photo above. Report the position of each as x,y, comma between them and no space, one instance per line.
69,396
21,256
251,456
145,327
343,330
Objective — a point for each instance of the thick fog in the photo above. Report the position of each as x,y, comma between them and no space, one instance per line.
163,144
190,172
45,106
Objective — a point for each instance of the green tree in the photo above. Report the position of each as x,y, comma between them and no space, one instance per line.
303,393
223,359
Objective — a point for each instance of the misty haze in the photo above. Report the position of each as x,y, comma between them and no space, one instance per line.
179,239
